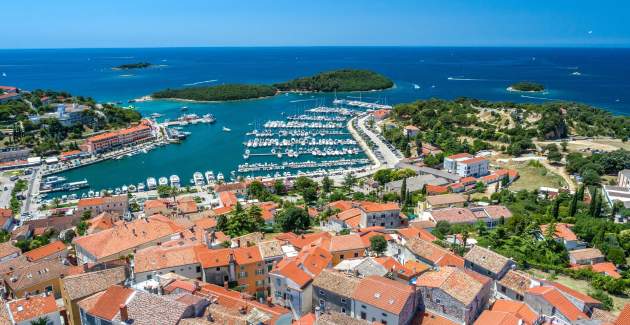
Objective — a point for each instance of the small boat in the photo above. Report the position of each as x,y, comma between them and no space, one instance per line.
163,181
184,108
151,183
576,73
198,178
226,129
415,86
124,188
141,187
209,177
132,188
156,115
117,191
174,181
220,177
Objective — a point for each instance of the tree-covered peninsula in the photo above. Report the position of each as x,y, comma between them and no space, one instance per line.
339,80
218,93
129,66
527,86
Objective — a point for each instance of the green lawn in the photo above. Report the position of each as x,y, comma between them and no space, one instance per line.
532,177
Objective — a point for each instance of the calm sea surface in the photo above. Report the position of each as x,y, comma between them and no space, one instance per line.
438,72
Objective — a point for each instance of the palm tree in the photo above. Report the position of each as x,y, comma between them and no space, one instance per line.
41,321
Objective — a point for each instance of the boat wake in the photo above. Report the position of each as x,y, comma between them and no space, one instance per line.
541,98
201,82
464,79
301,100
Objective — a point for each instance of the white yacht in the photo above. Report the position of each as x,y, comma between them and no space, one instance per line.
198,177
174,181
151,183
220,177
209,177
132,188
124,188
141,187
226,129
163,181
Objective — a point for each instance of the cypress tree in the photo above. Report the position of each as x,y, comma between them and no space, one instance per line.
403,191
555,211
580,193
573,206
593,206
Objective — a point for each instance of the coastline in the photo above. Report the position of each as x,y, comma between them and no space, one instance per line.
510,89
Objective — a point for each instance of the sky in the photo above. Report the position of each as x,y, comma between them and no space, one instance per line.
183,23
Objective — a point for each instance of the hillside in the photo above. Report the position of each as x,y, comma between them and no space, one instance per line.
218,93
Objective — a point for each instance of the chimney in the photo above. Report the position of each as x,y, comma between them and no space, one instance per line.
317,312
225,284
124,313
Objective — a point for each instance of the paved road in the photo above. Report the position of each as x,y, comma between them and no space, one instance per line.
391,159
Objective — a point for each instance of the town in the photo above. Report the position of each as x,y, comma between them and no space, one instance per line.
425,235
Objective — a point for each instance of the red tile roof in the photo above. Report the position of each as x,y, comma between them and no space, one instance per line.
518,309
383,293
229,199
563,230
45,251
472,160
605,267
624,316
578,295
460,155
559,301
346,242
31,308
368,206
108,304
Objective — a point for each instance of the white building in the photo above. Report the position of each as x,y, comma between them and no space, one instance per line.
464,165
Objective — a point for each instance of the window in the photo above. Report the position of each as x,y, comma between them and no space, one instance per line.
218,269
356,254
242,274
363,306
321,292
198,269
321,302
260,271
437,300
503,289
363,315
383,321
343,310
341,257
384,315
343,301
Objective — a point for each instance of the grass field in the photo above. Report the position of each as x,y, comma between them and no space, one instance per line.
532,177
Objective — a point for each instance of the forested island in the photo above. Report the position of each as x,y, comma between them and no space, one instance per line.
527,86
129,66
217,93
338,80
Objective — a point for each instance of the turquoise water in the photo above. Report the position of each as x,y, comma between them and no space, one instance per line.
474,72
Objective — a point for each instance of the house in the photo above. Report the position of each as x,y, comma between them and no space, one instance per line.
415,183
586,256
605,268
454,293
465,165
563,235
56,249
386,301
582,301
416,249
450,162
514,284
451,177
505,312
381,114
491,215
6,219
119,304
35,278
623,178
269,210
228,199
154,260
251,274
158,206
487,262
436,189
435,202
27,310
411,130
332,291
550,301
118,204
380,214
291,279
614,194
8,251
347,246
362,267
75,288
125,239
103,221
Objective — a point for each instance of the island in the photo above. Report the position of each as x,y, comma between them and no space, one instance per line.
129,66
338,80
526,86
225,92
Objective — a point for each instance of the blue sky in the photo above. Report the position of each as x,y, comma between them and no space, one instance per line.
172,23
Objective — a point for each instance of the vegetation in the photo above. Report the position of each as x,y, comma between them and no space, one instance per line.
37,241
338,80
527,86
591,168
240,221
294,219
218,93
129,66
378,244
15,203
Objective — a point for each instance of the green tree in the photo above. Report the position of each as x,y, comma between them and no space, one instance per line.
349,181
403,191
293,219
580,193
378,244
279,188
327,184
573,205
41,321
555,209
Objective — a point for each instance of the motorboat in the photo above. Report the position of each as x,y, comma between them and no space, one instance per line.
151,183
174,181
198,178
163,181
210,177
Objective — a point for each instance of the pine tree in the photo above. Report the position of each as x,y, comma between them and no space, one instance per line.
593,206
403,190
556,209
580,193
573,206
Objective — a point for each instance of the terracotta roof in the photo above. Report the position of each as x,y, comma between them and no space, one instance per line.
516,308
187,206
45,251
368,206
624,316
303,240
31,274
108,304
427,250
127,236
104,220
290,270
563,231
341,205
446,199
206,223
247,255
383,293
494,212
460,155
473,160
228,198
158,257
97,201
213,257
223,210
454,215
490,317
7,249
585,254
553,296
605,267
155,204
314,259
416,268
517,281
230,187
234,300
86,284
421,233
31,308
487,259
336,282
439,189
270,248
429,318
346,242
336,318
576,294
454,281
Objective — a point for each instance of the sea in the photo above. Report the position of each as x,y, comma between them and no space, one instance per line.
596,76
